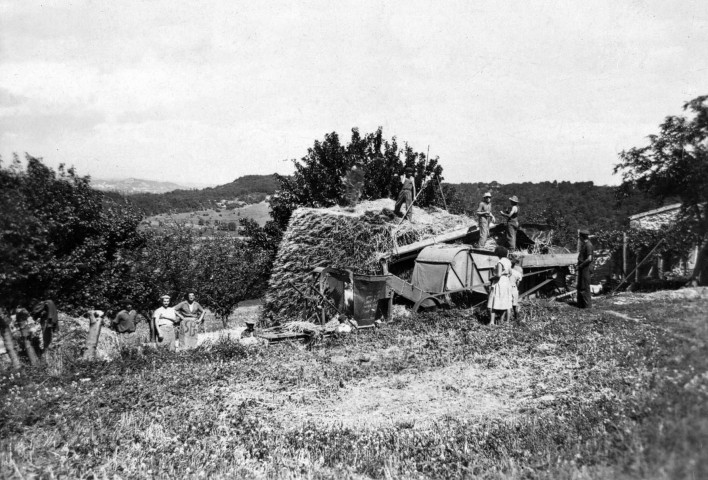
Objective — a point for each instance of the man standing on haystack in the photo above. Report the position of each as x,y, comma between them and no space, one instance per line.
406,195
484,215
584,267
353,184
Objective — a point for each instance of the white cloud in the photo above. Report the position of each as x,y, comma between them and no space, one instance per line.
493,87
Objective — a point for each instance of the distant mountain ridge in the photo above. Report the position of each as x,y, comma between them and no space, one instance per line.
136,185
247,189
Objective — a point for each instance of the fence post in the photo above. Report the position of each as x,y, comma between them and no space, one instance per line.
624,254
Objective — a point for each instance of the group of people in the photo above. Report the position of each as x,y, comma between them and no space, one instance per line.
485,217
165,321
504,293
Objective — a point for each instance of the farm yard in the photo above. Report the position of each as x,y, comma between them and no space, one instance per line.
259,212
431,243
620,391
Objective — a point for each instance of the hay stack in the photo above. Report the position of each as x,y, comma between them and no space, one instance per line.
340,238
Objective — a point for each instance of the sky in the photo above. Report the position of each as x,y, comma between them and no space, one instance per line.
205,92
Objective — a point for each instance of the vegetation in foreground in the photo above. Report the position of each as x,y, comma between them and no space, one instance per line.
594,395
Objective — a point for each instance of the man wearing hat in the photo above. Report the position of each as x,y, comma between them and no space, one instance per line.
406,195
166,321
512,222
584,267
484,214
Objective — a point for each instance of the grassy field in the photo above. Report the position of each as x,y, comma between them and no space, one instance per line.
260,212
617,392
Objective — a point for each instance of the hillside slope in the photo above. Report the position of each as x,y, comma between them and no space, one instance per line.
249,188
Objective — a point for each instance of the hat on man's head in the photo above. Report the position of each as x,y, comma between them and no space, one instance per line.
409,170
584,231
514,199
162,297
488,194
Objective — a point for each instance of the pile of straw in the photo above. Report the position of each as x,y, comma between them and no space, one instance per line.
343,238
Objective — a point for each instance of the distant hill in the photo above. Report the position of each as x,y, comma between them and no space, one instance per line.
248,189
135,185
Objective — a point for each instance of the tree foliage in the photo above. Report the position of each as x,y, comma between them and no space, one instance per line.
675,164
317,181
57,235
61,239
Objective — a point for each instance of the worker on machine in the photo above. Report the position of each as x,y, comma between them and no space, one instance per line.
512,222
484,215
353,184
406,195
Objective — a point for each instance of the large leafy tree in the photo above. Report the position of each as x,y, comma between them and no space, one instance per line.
675,165
57,234
317,181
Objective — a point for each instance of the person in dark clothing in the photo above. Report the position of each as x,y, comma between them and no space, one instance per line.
407,195
124,321
45,313
584,268
512,222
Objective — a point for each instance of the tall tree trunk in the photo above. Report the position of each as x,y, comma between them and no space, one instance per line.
6,332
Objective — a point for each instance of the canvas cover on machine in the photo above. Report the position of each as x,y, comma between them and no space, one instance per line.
440,268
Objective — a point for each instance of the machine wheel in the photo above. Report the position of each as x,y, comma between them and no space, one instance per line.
427,302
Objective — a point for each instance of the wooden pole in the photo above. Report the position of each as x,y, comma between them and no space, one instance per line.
624,255
442,194
6,332
639,265
94,333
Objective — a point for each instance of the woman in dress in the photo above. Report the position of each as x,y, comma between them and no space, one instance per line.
500,294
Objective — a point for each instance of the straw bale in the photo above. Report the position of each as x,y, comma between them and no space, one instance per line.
343,238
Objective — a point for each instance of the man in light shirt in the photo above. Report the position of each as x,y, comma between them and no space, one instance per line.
166,321
484,218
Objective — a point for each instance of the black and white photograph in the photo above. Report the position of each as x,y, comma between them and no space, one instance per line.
317,239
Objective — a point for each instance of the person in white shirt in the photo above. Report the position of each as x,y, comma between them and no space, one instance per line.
166,321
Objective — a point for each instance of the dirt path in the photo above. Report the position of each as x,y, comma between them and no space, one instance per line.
459,392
